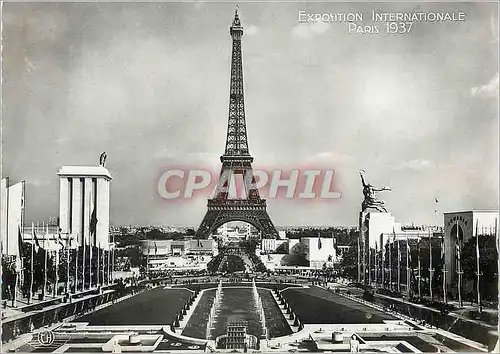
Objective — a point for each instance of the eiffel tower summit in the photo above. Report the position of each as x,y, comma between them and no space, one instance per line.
236,161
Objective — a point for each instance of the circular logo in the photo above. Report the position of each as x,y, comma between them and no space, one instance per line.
46,338
364,228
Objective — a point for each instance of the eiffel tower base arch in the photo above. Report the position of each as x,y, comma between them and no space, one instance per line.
252,212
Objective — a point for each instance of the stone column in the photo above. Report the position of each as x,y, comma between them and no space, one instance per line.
88,208
64,204
103,213
76,210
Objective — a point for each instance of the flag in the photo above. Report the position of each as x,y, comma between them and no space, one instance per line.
73,241
20,243
394,241
496,236
59,238
93,223
393,234
15,206
418,247
408,252
4,182
319,242
36,243
442,249
477,242
436,200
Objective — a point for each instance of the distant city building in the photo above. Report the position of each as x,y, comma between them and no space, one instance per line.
165,254
231,232
318,251
412,234
270,245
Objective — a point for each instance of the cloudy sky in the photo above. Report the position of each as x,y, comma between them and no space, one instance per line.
148,84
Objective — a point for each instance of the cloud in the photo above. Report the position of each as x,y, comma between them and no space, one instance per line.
309,29
332,156
251,30
489,90
198,5
37,182
416,164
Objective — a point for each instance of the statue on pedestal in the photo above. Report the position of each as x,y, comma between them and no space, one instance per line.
102,159
371,200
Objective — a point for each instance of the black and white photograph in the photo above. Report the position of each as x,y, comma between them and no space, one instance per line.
249,177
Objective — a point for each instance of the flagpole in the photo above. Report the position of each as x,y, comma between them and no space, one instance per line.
83,262
16,285
478,270
382,261
369,265
112,259
363,233
45,261
67,264
76,265
407,267
109,265
419,271
498,276
30,297
431,269
103,265
98,264
91,247
390,263
459,270
106,272
21,275
147,262
334,259
375,265
399,263
443,261
57,272
359,259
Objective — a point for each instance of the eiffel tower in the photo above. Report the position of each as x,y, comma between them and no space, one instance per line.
236,160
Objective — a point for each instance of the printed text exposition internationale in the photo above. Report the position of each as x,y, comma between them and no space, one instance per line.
305,16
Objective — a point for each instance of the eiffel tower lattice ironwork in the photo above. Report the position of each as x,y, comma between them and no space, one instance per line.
236,161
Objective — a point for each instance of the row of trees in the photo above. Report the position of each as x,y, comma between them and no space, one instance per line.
128,245
125,238
342,235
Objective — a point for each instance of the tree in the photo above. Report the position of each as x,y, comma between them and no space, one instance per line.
348,266
282,249
487,264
